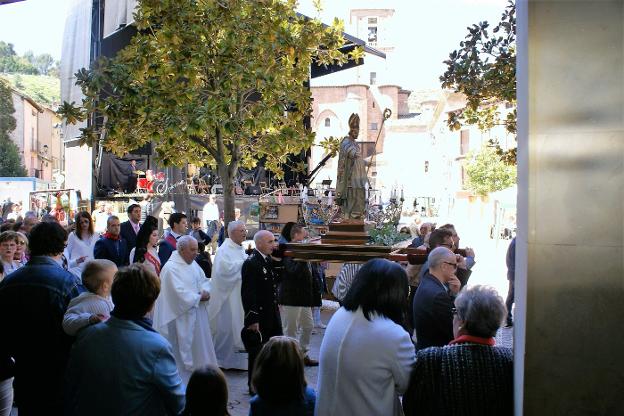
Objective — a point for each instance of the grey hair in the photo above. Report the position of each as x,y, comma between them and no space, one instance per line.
481,309
30,214
111,218
438,255
184,242
232,226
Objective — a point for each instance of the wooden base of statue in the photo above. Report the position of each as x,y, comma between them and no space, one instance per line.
349,232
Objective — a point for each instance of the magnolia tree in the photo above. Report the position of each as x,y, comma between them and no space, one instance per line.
484,70
210,82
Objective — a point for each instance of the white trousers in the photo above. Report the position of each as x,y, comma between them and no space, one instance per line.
295,317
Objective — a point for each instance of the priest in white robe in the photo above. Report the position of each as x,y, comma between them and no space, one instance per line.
226,307
181,311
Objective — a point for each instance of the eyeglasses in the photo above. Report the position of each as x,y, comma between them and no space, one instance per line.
452,264
21,243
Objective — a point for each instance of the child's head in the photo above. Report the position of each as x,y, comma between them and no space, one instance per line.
196,223
207,393
278,375
98,275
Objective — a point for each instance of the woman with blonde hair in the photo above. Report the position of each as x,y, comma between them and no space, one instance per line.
21,250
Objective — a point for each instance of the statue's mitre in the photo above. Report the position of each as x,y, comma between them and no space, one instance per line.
354,120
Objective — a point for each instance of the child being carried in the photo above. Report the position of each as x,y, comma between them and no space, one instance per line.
95,305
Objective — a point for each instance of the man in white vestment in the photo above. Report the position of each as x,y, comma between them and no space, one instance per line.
181,311
226,307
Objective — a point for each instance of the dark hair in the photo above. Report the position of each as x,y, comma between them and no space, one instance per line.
206,393
17,226
6,226
146,230
201,247
131,207
278,373
438,236
47,239
175,218
195,220
294,230
286,230
380,287
134,291
78,217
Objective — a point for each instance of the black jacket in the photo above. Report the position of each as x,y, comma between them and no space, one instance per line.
113,250
433,317
463,379
299,286
128,234
259,293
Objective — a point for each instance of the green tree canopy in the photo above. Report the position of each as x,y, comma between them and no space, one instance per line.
10,62
484,71
10,161
486,172
221,83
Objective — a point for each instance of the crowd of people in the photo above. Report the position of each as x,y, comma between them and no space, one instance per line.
131,322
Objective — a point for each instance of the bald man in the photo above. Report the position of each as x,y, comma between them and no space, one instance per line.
259,293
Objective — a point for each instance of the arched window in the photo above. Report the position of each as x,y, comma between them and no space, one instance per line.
327,122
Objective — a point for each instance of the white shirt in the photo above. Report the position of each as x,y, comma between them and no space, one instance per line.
77,248
210,213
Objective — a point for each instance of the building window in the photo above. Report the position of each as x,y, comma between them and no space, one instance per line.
372,35
33,142
373,78
373,126
327,122
372,20
426,166
464,142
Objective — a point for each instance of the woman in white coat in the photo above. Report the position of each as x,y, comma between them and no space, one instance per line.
80,243
366,356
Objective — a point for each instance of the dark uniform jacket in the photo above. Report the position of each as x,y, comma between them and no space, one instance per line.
259,293
433,316
299,286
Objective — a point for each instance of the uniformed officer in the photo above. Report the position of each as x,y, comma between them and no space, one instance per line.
259,293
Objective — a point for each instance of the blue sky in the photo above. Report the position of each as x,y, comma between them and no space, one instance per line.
429,29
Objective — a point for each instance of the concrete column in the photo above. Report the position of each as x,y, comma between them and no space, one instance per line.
570,258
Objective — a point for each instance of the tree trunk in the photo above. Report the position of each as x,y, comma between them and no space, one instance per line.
228,195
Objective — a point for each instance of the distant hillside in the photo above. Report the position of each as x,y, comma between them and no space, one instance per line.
41,88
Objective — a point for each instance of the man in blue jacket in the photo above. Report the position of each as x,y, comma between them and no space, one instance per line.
111,246
33,300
